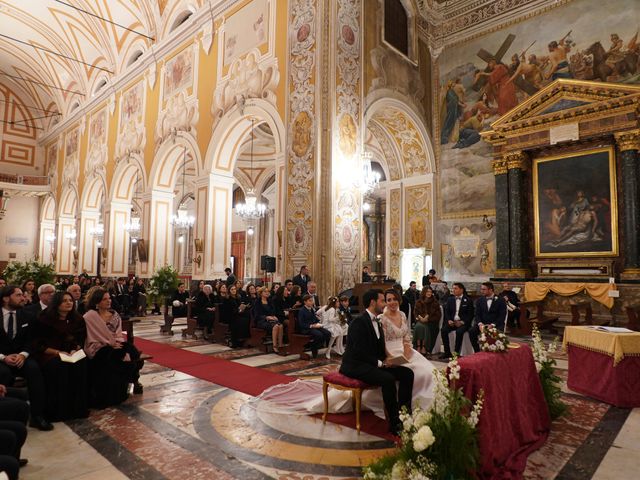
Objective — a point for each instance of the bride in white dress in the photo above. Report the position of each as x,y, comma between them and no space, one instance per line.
305,396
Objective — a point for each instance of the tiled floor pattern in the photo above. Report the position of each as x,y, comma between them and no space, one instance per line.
186,428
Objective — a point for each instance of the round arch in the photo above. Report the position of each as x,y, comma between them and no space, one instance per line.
123,183
168,161
387,102
233,127
48,210
68,206
93,194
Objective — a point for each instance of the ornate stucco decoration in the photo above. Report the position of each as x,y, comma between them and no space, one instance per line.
71,168
131,129
97,145
249,77
301,136
178,110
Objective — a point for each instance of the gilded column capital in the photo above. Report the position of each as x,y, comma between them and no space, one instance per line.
499,167
517,159
629,140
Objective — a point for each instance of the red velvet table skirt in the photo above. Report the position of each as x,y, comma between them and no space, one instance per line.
515,420
593,375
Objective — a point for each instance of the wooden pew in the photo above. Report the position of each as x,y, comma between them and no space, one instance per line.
220,330
632,316
527,318
127,326
192,321
297,340
576,308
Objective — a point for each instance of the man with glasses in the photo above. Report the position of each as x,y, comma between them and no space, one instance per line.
45,294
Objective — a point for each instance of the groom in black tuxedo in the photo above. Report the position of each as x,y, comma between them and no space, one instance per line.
365,359
489,309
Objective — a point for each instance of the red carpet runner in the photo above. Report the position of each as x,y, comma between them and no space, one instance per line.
242,378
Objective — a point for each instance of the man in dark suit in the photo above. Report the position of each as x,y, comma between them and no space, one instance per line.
366,277
122,299
14,414
310,325
490,309
458,315
302,279
76,292
15,353
45,294
365,359
312,289
231,278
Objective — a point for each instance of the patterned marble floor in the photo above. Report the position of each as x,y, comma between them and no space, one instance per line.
184,427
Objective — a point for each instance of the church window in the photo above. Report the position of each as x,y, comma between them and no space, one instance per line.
396,26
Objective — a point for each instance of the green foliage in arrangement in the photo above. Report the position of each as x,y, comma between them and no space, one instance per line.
439,443
17,273
545,365
164,282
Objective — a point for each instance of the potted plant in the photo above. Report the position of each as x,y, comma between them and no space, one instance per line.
162,285
18,272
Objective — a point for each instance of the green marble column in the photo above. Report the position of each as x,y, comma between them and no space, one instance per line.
629,144
503,255
518,214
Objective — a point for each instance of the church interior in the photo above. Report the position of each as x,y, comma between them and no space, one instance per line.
480,146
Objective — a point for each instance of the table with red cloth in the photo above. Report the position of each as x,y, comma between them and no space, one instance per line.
604,365
515,419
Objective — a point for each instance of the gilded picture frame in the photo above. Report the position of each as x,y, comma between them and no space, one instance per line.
575,204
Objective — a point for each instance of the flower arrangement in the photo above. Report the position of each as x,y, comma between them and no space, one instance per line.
492,340
549,380
437,443
17,272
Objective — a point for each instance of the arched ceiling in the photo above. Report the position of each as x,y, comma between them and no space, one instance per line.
57,83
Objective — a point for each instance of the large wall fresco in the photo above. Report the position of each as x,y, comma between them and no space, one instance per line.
482,79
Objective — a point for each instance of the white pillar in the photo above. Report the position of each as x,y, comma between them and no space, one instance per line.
46,248
87,244
158,231
217,237
117,239
65,257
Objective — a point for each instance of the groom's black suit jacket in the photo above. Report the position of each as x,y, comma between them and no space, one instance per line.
364,348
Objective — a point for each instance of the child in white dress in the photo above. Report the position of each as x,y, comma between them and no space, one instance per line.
331,319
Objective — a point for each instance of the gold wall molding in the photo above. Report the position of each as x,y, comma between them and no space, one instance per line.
517,159
499,167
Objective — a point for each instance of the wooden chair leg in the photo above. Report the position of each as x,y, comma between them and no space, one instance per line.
325,394
358,394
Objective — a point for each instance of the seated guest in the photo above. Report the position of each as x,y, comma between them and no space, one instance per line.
205,308
240,291
345,309
279,303
430,278
294,300
252,294
458,315
45,293
120,297
365,359
240,319
16,354
196,290
428,316
140,297
13,433
312,289
331,321
61,329
266,319
113,362
76,293
366,277
308,324
179,302
29,291
490,309
513,304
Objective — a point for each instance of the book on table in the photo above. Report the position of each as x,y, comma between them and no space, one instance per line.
603,328
75,357
398,360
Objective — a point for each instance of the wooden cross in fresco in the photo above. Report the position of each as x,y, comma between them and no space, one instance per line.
520,82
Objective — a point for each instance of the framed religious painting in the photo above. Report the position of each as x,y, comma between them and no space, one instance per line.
575,204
